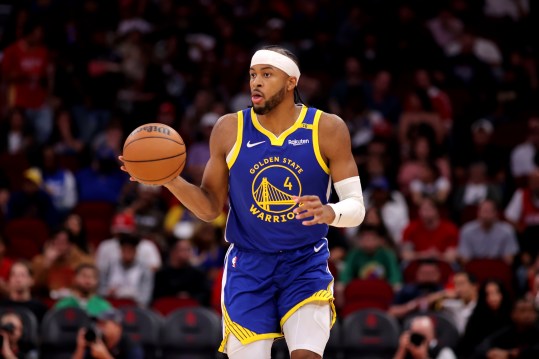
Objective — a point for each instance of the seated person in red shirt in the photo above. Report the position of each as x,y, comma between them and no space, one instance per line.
430,236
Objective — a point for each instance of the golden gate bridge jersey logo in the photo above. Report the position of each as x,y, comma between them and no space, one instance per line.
273,188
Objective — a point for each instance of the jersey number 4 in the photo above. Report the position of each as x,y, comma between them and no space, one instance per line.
287,183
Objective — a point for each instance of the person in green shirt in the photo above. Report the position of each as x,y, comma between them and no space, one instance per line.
83,294
370,259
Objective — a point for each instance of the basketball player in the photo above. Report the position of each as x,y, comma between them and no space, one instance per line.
275,162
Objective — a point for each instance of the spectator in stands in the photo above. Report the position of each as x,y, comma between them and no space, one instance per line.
64,140
32,201
149,211
27,70
430,236
77,232
15,135
112,343
12,347
422,151
419,342
417,116
128,278
84,292
199,152
487,237
55,268
481,149
59,183
523,213
533,292
392,206
420,294
434,98
369,259
5,266
19,287
445,28
378,97
520,339
102,180
179,278
108,251
476,189
209,253
522,156
429,184
460,302
492,313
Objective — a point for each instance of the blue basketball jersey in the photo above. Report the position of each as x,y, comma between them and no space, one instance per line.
266,171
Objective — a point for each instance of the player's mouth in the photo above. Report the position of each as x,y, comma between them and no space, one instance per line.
256,97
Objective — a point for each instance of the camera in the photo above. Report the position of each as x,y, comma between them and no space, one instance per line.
417,339
8,328
91,334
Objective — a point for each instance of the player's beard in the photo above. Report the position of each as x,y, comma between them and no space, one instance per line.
271,103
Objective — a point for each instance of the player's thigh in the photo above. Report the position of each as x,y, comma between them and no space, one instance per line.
309,327
258,349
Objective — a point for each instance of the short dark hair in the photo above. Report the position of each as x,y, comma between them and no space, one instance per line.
84,266
471,277
128,239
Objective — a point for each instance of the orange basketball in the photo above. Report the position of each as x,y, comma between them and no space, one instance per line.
154,154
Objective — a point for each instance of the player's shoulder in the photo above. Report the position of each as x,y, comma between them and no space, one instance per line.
330,121
226,124
333,128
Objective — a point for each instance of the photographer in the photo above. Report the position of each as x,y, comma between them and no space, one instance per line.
11,330
419,342
106,339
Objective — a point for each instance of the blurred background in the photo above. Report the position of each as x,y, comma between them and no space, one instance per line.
441,100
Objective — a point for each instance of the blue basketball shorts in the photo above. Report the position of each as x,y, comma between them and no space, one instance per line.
262,290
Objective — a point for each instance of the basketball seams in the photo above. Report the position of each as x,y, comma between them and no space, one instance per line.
180,167
155,159
143,138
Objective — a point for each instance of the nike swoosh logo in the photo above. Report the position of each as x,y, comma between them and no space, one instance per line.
317,249
249,144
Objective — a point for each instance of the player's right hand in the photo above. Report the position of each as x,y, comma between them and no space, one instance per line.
122,167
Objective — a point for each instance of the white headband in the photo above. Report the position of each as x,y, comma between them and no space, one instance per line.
277,60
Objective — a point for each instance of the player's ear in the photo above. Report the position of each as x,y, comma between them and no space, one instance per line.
291,83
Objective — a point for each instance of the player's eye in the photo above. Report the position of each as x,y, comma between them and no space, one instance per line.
267,74
252,75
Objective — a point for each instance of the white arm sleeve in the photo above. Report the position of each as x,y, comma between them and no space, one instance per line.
350,210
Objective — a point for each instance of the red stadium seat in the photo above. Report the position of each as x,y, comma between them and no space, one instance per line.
14,166
97,209
216,292
485,269
370,333
26,237
367,293
167,305
97,230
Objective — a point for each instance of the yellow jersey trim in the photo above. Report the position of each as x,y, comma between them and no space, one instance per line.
316,145
279,140
237,145
320,296
244,335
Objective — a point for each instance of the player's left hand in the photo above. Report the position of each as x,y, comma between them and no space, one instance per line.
311,206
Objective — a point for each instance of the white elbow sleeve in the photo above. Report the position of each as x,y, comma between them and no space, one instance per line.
350,210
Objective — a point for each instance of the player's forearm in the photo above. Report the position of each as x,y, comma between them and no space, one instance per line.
195,198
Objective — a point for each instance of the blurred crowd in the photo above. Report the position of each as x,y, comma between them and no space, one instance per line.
441,99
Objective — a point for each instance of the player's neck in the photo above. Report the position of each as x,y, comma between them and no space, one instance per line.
281,117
